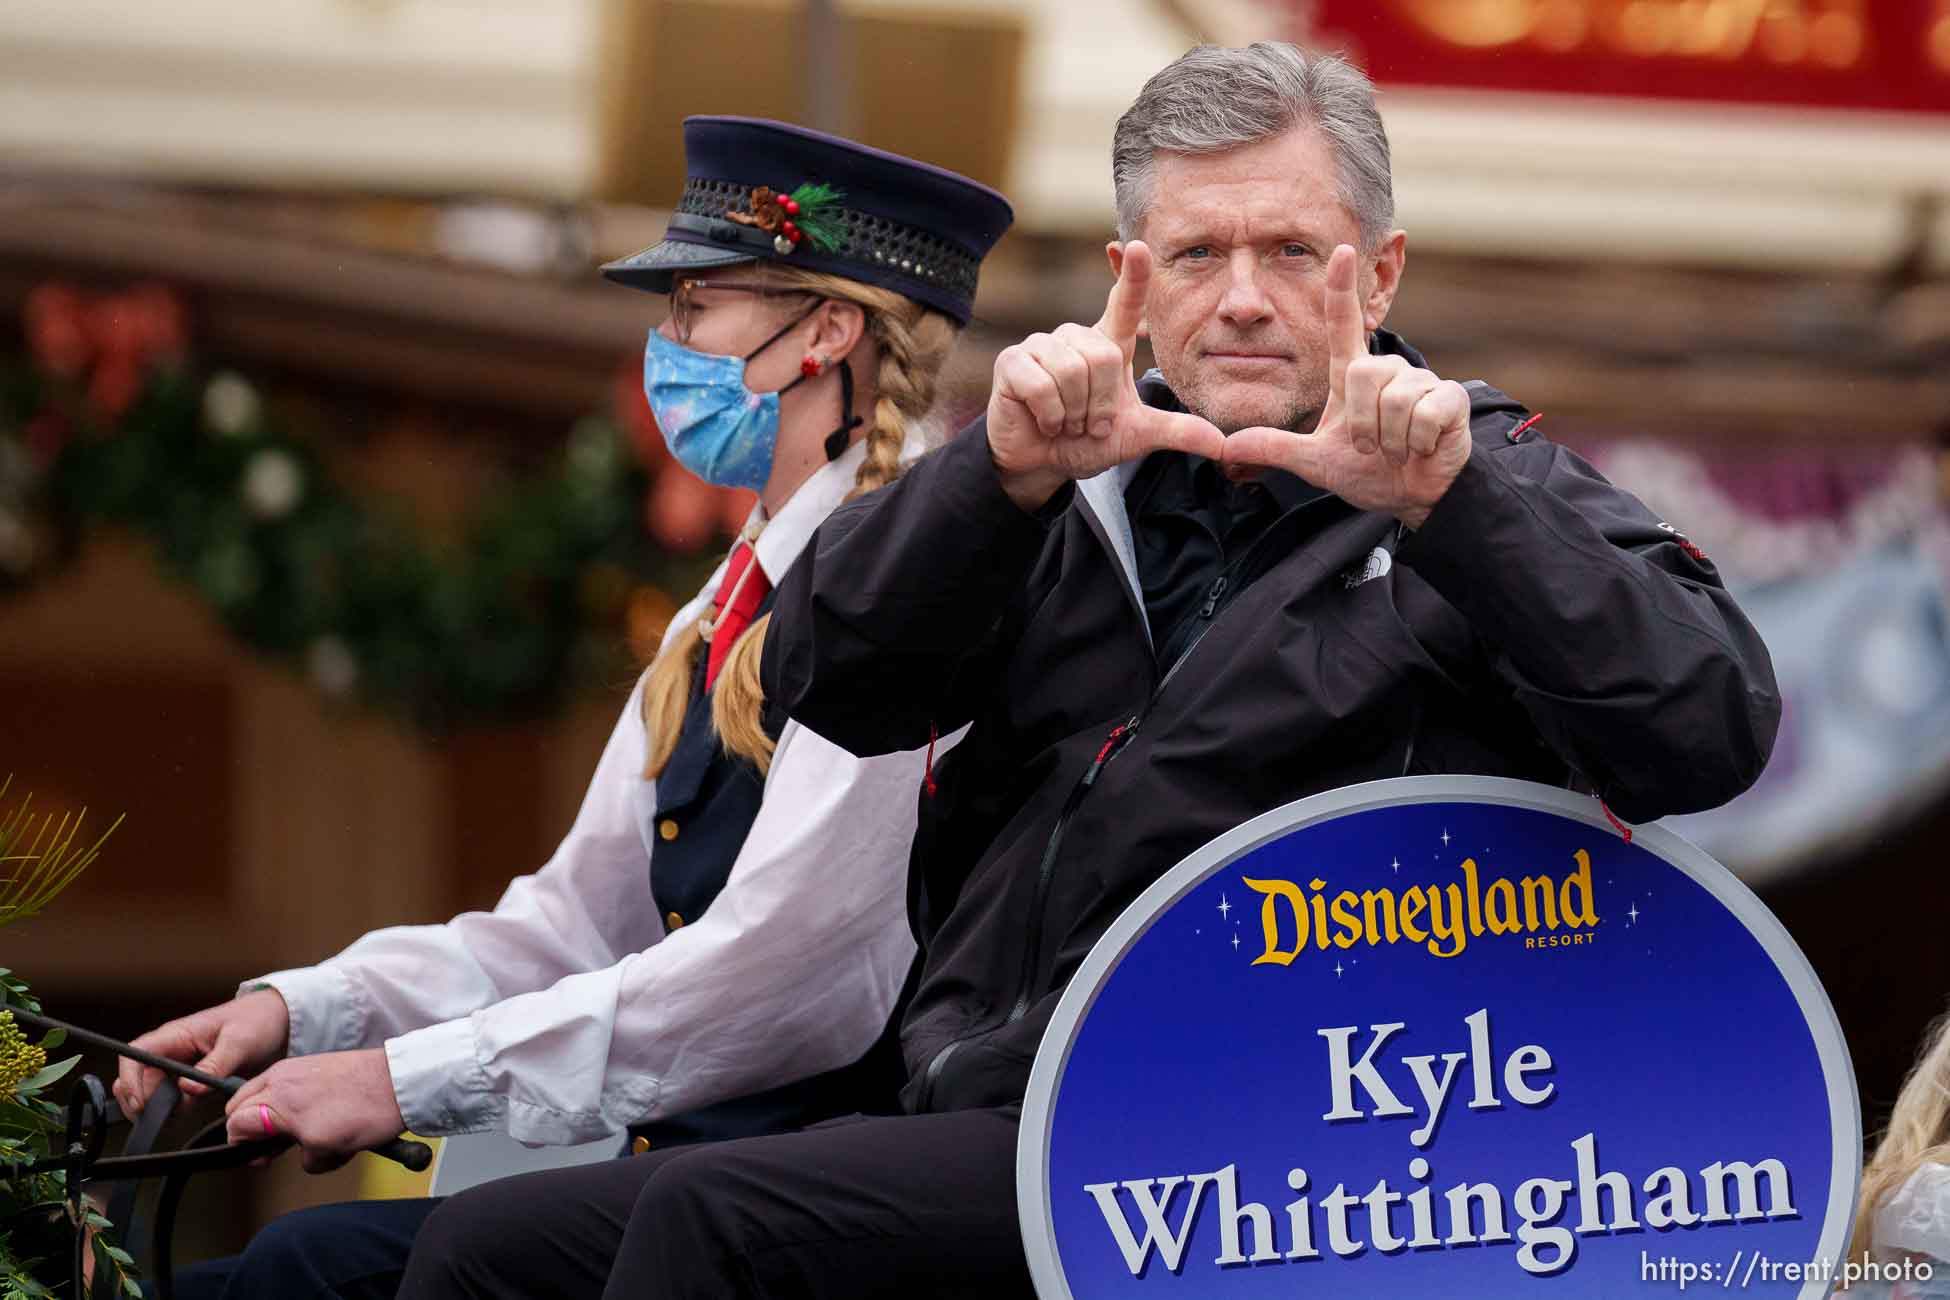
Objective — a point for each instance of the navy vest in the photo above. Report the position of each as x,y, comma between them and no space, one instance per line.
706,802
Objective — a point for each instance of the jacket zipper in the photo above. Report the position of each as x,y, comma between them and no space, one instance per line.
1120,736
934,1069
1212,597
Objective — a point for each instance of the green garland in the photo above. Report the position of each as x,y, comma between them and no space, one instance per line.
503,624
819,215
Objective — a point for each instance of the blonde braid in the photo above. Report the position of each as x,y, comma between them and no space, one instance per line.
914,341
667,694
738,701
1918,1134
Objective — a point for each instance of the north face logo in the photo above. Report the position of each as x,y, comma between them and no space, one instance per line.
1377,564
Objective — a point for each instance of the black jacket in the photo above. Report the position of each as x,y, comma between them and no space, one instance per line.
1542,624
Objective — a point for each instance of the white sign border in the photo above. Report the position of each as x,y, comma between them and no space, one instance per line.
1053,1056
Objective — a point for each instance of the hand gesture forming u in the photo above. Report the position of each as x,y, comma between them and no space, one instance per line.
1065,405
1392,436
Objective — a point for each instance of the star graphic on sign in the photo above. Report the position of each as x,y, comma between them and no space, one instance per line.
1225,908
1337,970
1445,837
1235,943
1634,913
1397,865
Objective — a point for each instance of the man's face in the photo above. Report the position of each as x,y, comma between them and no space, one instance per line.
1235,312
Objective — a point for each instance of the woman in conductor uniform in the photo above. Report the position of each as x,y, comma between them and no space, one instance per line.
720,939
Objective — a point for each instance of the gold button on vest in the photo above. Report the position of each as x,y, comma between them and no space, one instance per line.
667,828
639,1145
672,921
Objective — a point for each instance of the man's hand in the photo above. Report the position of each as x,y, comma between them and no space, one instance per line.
237,1037
1065,405
334,1104
1392,437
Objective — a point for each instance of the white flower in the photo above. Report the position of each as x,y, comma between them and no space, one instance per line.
334,670
273,485
230,405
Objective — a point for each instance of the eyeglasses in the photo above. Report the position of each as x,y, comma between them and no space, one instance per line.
684,306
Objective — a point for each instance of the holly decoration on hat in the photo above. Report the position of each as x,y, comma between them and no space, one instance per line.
814,214
811,212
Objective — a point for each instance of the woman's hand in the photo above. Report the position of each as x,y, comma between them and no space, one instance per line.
334,1105
241,1036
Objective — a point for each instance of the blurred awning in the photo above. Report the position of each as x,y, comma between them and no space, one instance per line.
1890,56
1806,135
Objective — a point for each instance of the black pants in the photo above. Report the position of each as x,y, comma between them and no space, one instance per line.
895,1206
353,1251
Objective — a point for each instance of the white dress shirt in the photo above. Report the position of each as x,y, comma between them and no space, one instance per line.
568,1011
1913,1225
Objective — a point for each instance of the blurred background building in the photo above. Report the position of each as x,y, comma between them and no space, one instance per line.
332,525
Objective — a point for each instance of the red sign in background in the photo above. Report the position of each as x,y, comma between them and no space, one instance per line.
1856,54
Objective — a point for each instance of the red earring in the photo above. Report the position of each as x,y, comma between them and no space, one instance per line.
811,366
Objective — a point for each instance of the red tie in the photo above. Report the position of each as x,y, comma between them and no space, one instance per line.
739,597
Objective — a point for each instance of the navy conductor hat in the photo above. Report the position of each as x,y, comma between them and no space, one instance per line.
767,191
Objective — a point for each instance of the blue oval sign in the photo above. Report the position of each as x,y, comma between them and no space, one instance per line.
1440,1036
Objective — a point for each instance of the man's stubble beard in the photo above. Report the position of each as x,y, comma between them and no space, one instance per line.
1299,416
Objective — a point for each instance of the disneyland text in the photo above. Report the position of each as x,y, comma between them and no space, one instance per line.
1455,913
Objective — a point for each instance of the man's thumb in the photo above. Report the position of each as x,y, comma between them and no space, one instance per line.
1262,448
1178,431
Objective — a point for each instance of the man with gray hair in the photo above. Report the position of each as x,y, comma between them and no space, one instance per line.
1290,559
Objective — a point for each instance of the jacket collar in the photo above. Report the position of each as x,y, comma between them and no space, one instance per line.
1103,496
1102,500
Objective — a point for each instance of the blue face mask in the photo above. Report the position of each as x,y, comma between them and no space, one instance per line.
715,427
